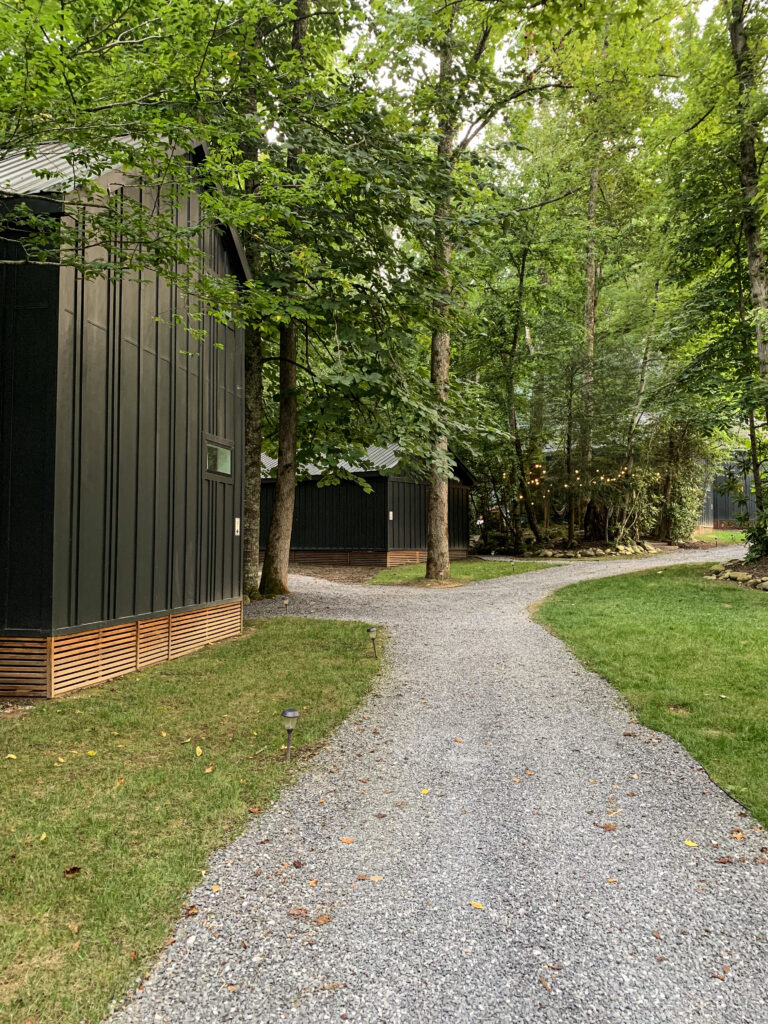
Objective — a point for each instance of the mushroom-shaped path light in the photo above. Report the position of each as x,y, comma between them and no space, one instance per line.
290,716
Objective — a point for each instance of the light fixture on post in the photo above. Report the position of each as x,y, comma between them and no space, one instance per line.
371,631
285,604
290,716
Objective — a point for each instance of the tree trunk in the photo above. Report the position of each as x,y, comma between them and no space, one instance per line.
749,181
522,481
274,574
569,467
438,557
754,455
254,390
590,322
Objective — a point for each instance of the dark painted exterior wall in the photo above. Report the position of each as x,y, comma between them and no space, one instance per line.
333,518
408,527
344,518
28,353
132,524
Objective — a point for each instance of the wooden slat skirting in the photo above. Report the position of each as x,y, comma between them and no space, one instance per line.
52,666
412,557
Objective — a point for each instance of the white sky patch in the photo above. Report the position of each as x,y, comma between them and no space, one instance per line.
705,9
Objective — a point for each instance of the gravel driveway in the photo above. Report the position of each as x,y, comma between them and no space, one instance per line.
489,768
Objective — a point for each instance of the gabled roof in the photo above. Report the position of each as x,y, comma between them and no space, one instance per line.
381,459
52,170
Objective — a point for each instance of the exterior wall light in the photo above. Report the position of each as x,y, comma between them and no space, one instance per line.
371,631
290,715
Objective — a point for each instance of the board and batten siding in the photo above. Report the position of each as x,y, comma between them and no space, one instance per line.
112,516
330,518
140,527
28,324
408,526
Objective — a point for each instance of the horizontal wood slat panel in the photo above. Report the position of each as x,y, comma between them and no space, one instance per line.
51,666
23,667
404,557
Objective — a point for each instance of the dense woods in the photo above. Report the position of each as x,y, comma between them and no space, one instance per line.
530,235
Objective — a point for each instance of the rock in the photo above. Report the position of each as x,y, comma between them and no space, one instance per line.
718,568
764,586
741,577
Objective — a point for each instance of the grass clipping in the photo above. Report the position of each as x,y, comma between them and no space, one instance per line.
689,656
112,800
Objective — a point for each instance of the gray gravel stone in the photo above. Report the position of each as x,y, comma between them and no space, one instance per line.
580,922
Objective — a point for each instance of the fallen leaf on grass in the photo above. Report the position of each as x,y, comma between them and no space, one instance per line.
298,864
606,828
458,741
119,782
362,878
658,935
346,839
323,919
215,888
163,733
12,757
529,772
544,983
91,753
376,878
313,881
515,780
424,792
737,834
71,872
133,954
42,836
190,911
476,905
612,881
208,770
198,751
299,912
724,860
379,815
254,810
74,928
690,842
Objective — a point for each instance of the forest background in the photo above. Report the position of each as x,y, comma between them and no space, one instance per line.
526,234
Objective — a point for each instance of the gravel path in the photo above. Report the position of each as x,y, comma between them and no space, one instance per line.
559,815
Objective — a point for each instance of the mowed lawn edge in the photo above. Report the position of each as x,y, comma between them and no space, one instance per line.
113,799
469,571
689,656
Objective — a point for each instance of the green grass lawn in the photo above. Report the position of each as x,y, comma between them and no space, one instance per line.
115,797
689,655
469,571
722,536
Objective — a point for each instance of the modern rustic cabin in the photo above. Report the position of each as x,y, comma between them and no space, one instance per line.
342,524
120,461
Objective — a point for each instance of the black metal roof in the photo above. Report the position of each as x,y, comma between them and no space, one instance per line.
380,459
54,170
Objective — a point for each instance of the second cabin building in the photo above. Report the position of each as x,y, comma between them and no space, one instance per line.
345,525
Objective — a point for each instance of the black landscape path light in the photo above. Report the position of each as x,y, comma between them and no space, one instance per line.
371,631
290,715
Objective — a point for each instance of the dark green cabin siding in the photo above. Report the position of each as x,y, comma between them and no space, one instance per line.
135,526
343,517
28,319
